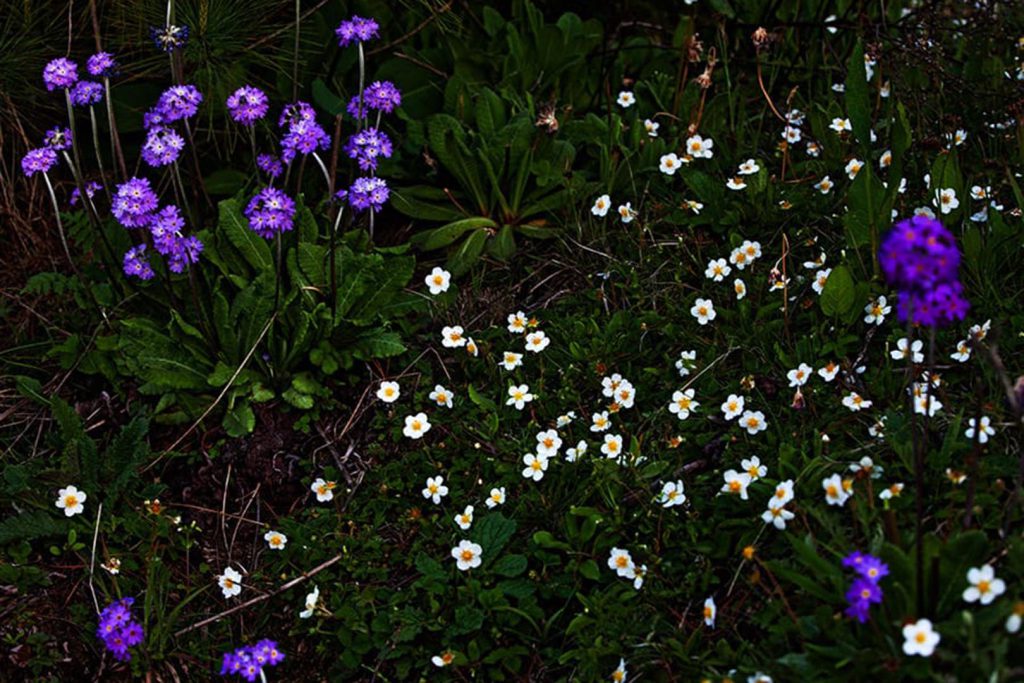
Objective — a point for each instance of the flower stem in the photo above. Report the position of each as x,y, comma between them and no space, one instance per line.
115,141
60,224
361,119
327,175
96,145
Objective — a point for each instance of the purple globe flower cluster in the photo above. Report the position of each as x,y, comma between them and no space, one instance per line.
920,258
249,661
86,93
134,203
102,65
367,146
118,629
58,139
270,212
162,146
39,160
366,193
135,206
179,102
269,164
248,105
864,591
303,137
169,242
169,38
381,96
60,73
136,264
296,113
356,29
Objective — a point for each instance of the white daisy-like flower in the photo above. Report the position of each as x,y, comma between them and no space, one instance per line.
703,310
907,349
496,497
840,125
945,200
626,99
829,372
519,396
70,500
717,269
820,279
438,281
275,540
732,407
575,453
453,337
537,341
710,612
920,638
323,489
824,185
416,425
736,183
669,163
783,493
855,402
853,167
754,468
600,421
682,404
740,287
835,491
736,483
517,322
798,376
686,363
626,212
435,489
777,516
464,520
651,127
230,582
885,161
510,360
612,446
310,603
441,396
984,432
601,206
672,494
536,466
699,147
753,421
876,310
548,443
389,392
467,555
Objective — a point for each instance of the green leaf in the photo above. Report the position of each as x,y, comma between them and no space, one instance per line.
590,570
838,297
233,225
29,526
468,254
503,246
326,99
480,400
240,420
858,102
425,203
492,533
510,565
378,343
446,234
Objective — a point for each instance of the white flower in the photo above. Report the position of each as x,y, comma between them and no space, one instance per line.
876,311
612,446
669,163
465,519
619,675
452,337
735,183
703,310
799,376
749,167
682,404
70,500
853,167
510,361
609,385
548,443
828,373
686,362
740,288
753,421
517,322
754,468
867,466
1013,622
905,348
537,341
651,127
891,492
919,638
736,482
777,516
985,431
638,576
323,489
626,99
621,561
959,137
601,206
311,601
813,149
759,678
820,278
792,135
467,555
824,185
441,396
626,212
945,200
389,392
978,192
838,87
841,125
536,466
438,280
230,583
416,425
435,489
884,90
783,494
877,430
275,540
732,407
692,205
573,454
672,494
624,394
886,159
924,211
699,148
444,659
979,332
496,497
927,405
816,263
519,396
710,612
855,402
835,492
563,420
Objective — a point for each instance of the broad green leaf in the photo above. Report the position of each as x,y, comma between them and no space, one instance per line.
510,565
446,234
858,102
463,259
233,225
838,297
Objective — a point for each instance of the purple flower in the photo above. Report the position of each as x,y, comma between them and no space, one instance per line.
249,661
918,253
86,93
154,118
169,38
247,105
179,102
296,112
861,595
58,139
117,628
356,29
90,189
162,147
367,193
382,96
269,164
60,73
303,137
270,212
166,228
872,568
134,203
366,146
854,560
185,251
102,65
38,160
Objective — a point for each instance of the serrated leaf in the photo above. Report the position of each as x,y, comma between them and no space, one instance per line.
233,225
492,533
510,565
838,296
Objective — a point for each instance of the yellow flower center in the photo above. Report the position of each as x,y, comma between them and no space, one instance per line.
621,561
613,446
535,465
518,396
735,485
983,586
709,612
702,311
447,658
432,488
921,637
275,540
832,491
442,397
228,583
780,494
438,280
467,555
416,425
389,392
752,471
753,422
71,500
548,442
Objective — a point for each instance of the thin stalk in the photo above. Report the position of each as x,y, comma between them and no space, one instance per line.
918,471
195,163
74,133
184,199
96,145
277,285
362,79
252,142
60,224
115,140
295,53
90,208
320,163
334,275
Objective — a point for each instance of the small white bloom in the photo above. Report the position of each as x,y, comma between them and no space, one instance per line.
732,407
855,402
672,494
435,489
310,603
983,433
717,269
820,278
835,492
70,499
749,167
669,164
600,421
230,583
710,612
441,396
783,494
601,206
626,212
275,540
919,638
904,348
537,341
496,497
467,555
323,489
945,200
699,147
519,396
510,361
840,125
517,322
853,167
389,392
740,288
778,516
799,375
574,454
651,127
685,363
626,99
548,443
465,519
824,185
736,483
754,468
621,561
735,183
453,337
828,373
683,404
703,310
876,310
612,446
753,421
416,425
438,280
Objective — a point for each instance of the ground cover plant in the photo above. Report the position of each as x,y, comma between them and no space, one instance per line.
512,341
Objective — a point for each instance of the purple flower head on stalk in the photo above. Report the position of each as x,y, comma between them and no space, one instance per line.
303,137
185,251
854,560
86,93
162,147
154,118
919,253
295,113
134,203
269,164
60,73
872,568
366,146
166,228
58,139
383,96
367,193
179,102
270,212
356,29
38,160
861,595
169,38
942,306
248,105
102,65
249,661
117,628
90,190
